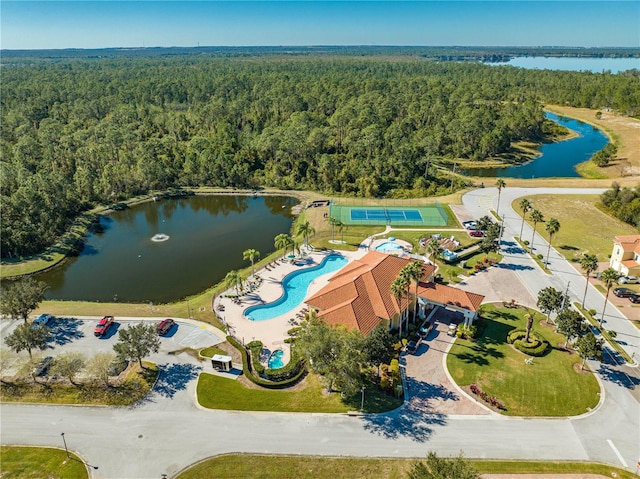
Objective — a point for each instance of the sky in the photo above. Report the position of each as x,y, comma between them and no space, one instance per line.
106,23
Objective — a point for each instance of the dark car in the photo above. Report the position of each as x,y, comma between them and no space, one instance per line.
635,298
623,292
42,320
42,366
164,326
103,326
423,332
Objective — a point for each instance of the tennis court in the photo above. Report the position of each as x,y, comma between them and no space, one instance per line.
428,215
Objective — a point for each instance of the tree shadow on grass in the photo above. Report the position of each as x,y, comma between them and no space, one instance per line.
175,377
64,331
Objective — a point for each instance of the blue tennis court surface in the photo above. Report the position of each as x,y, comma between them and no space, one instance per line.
361,214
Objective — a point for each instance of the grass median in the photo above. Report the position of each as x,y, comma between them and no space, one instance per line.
551,386
44,462
216,392
312,467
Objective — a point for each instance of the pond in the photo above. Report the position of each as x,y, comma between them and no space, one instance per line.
556,160
166,250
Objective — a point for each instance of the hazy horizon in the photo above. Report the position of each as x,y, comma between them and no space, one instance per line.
39,25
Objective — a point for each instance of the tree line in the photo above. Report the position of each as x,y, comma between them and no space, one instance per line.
623,203
80,132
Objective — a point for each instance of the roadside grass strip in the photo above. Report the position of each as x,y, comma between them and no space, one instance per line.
549,386
134,386
311,467
215,392
34,462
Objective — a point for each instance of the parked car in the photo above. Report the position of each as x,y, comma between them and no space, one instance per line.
412,347
164,326
470,225
453,329
623,292
42,366
476,234
423,332
103,326
635,298
42,320
629,280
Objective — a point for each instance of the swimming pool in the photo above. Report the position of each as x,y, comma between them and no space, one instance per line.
388,246
275,360
295,286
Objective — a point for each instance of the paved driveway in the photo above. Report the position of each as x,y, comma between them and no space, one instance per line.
430,389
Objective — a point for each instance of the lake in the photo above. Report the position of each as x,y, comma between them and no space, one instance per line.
557,160
596,65
207,235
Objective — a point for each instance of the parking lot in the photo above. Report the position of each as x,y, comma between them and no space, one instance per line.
76,334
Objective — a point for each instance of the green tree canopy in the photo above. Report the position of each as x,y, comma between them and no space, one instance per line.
26,337
436,467
550,300
571,324
589,347
22,296
137,342
333,352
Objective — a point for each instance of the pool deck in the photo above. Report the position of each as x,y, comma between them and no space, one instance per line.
273,332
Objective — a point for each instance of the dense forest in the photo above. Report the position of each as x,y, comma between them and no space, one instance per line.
78,132
623,203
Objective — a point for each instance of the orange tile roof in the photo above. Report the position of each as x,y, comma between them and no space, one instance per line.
448,296
359,296
629,242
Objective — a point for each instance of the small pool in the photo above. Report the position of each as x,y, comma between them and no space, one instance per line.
275,360
388,246
295,286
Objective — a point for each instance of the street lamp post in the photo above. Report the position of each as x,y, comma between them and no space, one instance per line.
65,443
362,402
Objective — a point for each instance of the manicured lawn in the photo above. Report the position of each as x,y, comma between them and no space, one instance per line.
305,467
211,351
40,462
215,392
583,227
548,387
134,387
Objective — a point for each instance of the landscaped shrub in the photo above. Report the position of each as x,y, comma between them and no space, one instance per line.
256,350
535,346
494,401
246,369
540,256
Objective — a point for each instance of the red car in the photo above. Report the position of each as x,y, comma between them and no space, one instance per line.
476,234
165,326
103,326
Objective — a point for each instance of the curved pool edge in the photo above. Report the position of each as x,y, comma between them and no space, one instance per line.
284,293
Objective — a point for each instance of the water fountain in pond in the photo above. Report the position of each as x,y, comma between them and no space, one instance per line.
159,238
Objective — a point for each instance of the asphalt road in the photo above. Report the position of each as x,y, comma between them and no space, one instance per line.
167,431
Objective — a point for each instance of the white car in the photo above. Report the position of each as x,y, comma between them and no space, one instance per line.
470,225
629,280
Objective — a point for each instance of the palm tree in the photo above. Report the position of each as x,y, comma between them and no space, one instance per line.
525,206
397,289
434,249
333,222
283,240
499,184
536,217
415,273
552,227
341,227
251,255
233,279
609,277
589,263
529,318
305,229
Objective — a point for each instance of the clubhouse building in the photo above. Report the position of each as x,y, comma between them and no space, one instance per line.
359,295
